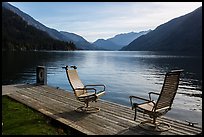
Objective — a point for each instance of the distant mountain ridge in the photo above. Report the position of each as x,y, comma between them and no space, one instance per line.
106,44
72,36
119,41
79,41
183,33
126,38
52,32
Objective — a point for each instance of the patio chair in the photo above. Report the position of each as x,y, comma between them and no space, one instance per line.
159,107
84,93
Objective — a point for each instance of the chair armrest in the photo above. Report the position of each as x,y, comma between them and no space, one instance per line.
88,89
97,85
87,95
152,93
136,97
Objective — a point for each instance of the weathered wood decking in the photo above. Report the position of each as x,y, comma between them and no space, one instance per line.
110,120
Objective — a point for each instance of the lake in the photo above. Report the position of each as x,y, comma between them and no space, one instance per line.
124,73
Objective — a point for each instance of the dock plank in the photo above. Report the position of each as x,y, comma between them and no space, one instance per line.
112,118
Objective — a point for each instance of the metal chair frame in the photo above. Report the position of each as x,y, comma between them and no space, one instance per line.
160,107
84,93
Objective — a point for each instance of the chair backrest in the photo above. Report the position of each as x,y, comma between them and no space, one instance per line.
74,80
168,90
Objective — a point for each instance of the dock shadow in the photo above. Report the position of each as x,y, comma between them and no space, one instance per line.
72,115
136,130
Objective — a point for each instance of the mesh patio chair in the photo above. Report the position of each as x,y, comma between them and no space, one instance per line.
159,107
84,93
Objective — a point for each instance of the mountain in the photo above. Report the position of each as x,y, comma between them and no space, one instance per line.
17,35
106,44
80,41
72,36
52,32
183,33
126,38
119,41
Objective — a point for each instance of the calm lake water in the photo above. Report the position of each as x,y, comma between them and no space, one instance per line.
123,73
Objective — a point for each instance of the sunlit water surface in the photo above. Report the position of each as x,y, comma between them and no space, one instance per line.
123,73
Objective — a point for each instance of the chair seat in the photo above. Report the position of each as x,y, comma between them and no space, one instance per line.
87,94
146,106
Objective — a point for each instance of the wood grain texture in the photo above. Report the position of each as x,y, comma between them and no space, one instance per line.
112,119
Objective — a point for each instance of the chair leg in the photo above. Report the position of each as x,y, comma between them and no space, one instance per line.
154,121
86,104
135,114
87,109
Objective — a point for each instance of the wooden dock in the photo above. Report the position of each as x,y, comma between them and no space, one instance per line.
112,119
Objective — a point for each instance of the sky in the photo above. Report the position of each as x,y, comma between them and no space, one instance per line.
103,20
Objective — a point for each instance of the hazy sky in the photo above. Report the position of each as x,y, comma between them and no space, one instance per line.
94,20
